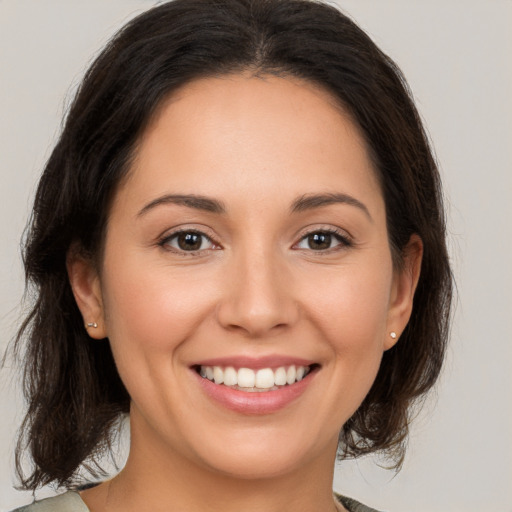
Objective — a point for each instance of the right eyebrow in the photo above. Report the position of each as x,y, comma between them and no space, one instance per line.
312,201
202,203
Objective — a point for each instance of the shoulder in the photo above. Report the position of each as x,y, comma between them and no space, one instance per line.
352,505
68,502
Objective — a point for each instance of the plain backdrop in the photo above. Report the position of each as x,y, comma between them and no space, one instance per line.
457,56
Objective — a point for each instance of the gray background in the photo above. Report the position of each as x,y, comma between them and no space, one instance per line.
456,55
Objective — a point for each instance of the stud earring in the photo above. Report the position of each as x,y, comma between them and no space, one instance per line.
392,334
94,325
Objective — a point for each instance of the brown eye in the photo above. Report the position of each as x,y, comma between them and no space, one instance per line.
319,241
323,241
188,241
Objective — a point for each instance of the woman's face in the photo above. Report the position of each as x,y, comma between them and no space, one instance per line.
249,244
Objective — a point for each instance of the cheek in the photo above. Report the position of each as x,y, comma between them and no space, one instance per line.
350,308
154,311
150,312
351,315
151,308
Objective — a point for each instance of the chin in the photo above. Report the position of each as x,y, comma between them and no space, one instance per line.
258,467
263,457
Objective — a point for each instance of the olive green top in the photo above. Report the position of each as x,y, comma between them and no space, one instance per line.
71,502
68,502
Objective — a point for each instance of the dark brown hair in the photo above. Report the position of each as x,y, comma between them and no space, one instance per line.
73,390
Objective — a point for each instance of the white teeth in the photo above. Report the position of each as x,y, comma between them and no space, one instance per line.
290,375
230,376
280,377
246,378
263,379
218,375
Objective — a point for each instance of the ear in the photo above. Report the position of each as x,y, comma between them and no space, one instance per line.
405,280
85,283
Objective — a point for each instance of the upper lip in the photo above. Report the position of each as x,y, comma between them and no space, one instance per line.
255,363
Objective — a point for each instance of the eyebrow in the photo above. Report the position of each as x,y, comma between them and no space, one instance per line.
202,203
303,203
311,201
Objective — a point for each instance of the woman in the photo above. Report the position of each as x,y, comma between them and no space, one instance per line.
239,241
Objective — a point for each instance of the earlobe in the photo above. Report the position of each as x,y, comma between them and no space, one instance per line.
405,281
85,283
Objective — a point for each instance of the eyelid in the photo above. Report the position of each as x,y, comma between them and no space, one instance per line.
169,234
345,239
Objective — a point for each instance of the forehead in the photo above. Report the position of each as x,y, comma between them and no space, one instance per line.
238,134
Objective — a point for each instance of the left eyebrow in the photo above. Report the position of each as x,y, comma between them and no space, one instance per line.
189,200
311,201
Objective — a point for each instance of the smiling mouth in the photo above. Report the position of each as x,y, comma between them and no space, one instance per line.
254,381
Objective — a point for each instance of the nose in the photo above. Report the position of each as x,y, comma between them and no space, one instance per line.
258,297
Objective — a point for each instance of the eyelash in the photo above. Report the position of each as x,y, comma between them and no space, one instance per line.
165,241
340,236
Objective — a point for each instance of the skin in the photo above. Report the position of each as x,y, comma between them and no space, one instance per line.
256,287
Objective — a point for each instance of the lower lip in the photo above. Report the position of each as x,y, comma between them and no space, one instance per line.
264,402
